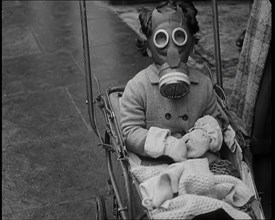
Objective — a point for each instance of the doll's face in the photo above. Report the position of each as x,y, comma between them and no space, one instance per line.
171,38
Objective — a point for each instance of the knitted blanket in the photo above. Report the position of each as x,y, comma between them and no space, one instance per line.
187,189
251,63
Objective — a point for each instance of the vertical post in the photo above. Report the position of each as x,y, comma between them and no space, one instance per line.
217,42
86,50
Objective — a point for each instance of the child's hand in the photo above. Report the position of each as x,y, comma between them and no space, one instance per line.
177,135
197,143
175,148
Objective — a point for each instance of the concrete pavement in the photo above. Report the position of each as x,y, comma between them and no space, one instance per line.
52,167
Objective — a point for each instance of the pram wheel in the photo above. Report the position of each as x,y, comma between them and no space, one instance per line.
100,208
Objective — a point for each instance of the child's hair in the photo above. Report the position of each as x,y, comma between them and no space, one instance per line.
145,18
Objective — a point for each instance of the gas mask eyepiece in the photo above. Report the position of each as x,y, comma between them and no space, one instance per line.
161,37
179,36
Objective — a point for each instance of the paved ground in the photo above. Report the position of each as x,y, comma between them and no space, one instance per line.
52,167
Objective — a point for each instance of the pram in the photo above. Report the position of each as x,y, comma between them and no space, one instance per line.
124,187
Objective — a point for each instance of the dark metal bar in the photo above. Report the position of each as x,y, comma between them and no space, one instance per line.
86,50
111,173
217,42
128,188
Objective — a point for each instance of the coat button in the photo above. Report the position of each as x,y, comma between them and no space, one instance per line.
184,117
167,116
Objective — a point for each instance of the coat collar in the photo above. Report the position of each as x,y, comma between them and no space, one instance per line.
154,78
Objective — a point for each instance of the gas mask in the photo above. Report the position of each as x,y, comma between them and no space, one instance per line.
170,45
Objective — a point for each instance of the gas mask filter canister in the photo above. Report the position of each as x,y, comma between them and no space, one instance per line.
174,83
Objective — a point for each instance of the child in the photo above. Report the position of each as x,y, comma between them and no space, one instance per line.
164,101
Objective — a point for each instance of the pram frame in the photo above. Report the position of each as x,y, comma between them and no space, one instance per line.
113,136
125,212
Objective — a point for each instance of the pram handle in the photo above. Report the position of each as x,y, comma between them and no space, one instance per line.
88,72
217,43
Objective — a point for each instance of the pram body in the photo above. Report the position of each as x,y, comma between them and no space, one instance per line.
127,192
124,188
